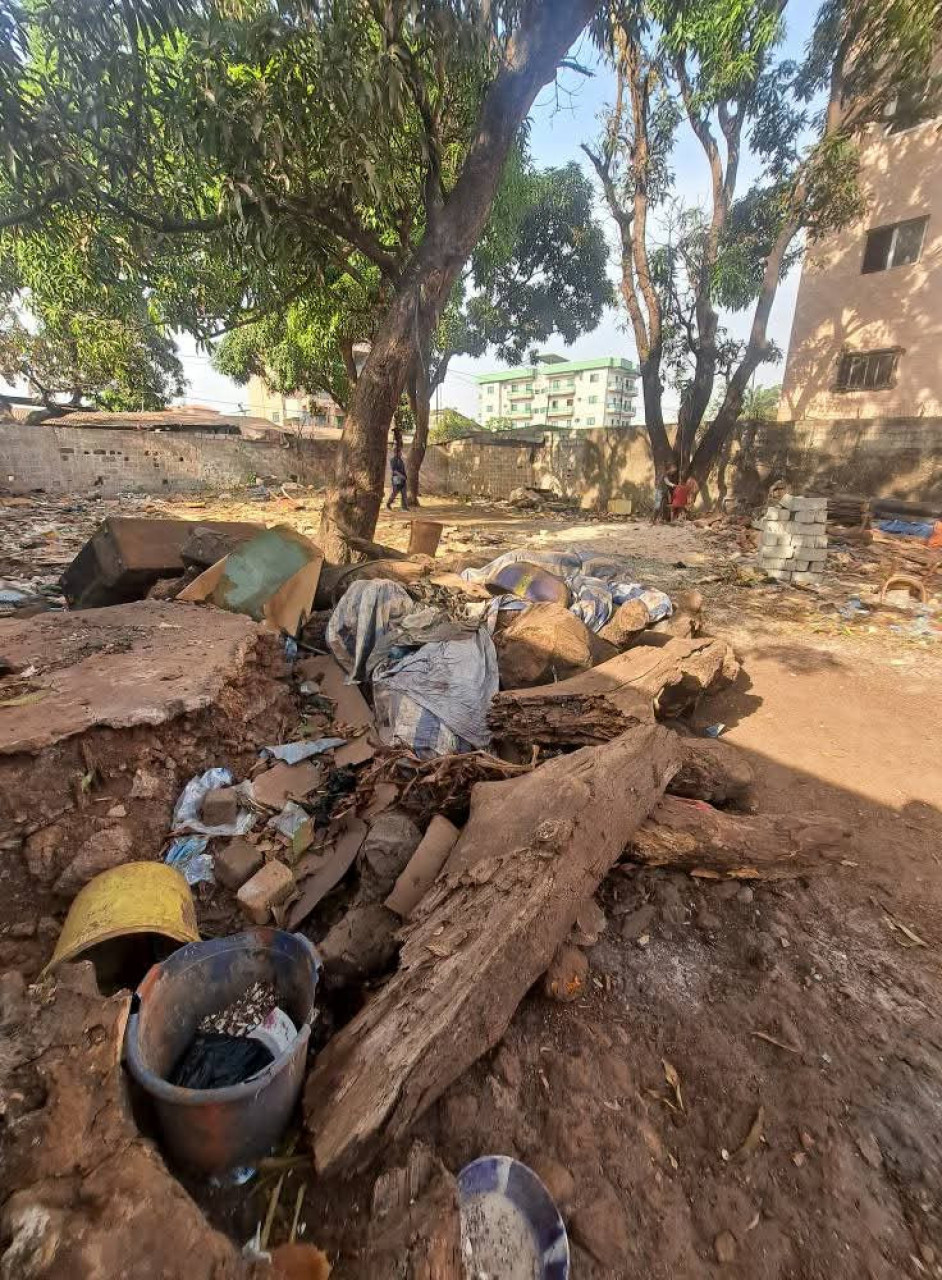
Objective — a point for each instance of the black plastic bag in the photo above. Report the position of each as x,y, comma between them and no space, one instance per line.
214,1060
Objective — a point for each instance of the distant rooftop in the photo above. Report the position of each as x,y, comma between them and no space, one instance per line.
556,367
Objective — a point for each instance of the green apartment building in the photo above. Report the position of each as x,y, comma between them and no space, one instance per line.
565,395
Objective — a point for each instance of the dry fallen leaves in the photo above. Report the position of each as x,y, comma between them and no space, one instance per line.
673,1079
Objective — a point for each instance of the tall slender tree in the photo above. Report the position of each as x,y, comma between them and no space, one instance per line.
715,67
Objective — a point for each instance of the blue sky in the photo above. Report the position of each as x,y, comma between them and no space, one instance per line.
565,116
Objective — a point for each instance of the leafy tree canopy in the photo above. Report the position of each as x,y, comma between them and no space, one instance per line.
75,327
450,425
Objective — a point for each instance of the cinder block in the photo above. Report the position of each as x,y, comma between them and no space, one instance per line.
805,579
800,566
775,563
780,575
816,555
810,517
220,807
265,890
776,515
236,863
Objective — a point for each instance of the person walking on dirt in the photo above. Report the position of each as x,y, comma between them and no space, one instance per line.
663,491
397,468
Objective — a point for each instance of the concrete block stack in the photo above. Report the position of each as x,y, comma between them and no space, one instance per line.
794,544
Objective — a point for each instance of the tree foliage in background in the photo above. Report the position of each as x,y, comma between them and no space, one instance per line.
538,269
275,145
74,329
715,66
450,425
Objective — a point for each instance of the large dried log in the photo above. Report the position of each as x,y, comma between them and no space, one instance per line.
534,849
689,835
597,705
717,772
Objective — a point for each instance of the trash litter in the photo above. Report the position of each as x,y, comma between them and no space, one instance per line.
713,730
276,1031
435,699
244,1013
852,608
907,528
294,752
214,1060
175,996
134,898
509,1223
186,813
531,582
290,821
598,584
272,577
364,613
188,855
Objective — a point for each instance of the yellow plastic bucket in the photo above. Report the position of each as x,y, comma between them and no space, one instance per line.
137,897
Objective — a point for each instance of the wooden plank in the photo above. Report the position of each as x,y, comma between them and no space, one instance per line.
534,849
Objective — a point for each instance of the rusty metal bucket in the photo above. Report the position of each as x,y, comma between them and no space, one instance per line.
213,1130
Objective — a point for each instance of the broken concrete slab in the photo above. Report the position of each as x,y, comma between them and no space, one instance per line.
135,700
132,665
533,850
127,555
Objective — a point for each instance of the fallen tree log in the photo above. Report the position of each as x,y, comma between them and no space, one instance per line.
689,835
713,771
595,706
533,850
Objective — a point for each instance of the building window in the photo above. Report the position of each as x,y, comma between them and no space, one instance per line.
897,245
593,377
276,416
909,108
867,370
593,399
590,422
554,404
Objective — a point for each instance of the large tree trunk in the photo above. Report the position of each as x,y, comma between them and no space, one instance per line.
533,850
545,33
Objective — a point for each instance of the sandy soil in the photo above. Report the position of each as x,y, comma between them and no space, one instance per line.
803,1023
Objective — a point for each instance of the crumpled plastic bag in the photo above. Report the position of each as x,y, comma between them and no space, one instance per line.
190,802
364,614
295,752
435,699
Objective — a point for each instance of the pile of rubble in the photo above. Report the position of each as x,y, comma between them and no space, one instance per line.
429,778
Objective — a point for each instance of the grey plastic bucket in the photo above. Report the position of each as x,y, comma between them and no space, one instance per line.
212,1130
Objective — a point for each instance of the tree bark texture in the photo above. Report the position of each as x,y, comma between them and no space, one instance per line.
597,705
420,400
533,850
690,835
545,33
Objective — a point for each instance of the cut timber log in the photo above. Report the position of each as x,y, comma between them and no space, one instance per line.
533,850
689,835
595,706
713,771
